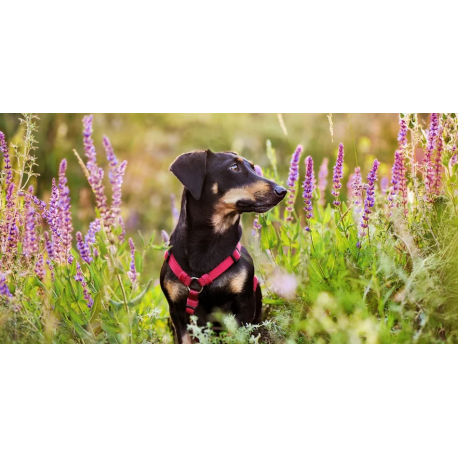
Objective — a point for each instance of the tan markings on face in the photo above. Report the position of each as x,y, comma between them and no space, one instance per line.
215,188
239,159
238,281
249,192
225,214
186,338
176,290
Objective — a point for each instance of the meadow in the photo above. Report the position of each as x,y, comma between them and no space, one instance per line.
363,249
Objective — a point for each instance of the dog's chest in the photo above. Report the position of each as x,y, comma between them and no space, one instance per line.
232,282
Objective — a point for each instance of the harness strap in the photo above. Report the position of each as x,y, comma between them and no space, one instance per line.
206,279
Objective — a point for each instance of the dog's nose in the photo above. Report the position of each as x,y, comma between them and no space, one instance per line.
280,191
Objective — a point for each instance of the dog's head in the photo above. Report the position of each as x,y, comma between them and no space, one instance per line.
227,182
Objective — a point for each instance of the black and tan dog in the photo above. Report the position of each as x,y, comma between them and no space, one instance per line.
218,188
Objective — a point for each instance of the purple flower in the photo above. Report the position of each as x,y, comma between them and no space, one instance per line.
122,235
51,253
322,179
402,136
132,273
117,191
9,195
39,268
89,148
369,201
7,167
111,157
4,290
49,246
430,178
309,186
338,175
94,227
96,182
95,172
398,181
356,187
115,175
292,180
398,172
438,162
65,216
384,183
165,237
258,170
83,248
80,277
53,213
256,225
30,243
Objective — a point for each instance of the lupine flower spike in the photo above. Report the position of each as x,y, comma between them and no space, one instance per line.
95,173
80,277
322,180
115,175
83,248
338,175
6,158
65,216
256,225
357,190
438,162
398,172
369,201
292,180
30,244
132,273
309,186
430,168
4,290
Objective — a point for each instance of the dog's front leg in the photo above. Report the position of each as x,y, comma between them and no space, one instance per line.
180,324
245,305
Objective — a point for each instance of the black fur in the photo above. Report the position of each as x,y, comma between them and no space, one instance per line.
208,231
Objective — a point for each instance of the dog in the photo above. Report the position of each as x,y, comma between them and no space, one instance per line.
206,270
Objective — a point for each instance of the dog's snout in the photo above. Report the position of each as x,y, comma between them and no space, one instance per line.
280,191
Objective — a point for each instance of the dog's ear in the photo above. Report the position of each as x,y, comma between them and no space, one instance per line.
190,169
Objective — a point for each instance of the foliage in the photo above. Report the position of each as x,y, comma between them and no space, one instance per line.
378,267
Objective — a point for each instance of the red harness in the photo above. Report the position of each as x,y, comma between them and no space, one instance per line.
205,279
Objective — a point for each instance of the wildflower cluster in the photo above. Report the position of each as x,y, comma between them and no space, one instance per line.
37,238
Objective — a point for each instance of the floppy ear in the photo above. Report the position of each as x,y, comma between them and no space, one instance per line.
190,169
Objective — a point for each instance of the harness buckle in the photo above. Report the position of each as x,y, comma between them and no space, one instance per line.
236,258
195,290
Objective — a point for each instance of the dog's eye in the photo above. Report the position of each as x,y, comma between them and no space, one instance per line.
235,168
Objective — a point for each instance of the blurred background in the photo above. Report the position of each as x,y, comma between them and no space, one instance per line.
150,142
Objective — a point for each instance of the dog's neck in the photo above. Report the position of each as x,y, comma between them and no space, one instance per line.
196,244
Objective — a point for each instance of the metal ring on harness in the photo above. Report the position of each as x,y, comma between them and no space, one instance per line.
195,290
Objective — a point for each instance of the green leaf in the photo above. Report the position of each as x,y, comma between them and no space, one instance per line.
136,300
